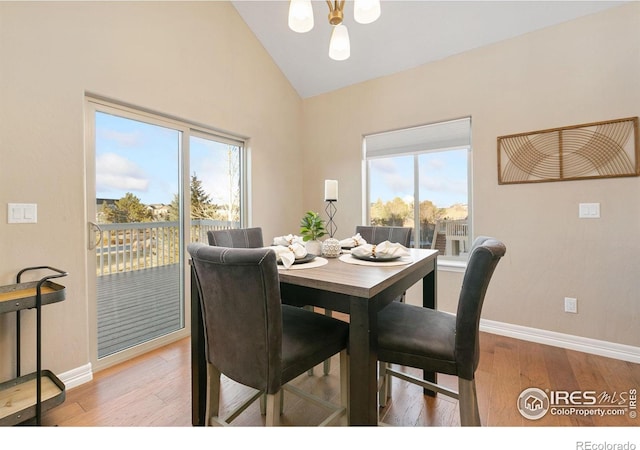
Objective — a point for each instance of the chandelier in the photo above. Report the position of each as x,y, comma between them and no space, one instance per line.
301,21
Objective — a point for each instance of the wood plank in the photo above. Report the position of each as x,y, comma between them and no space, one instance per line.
135,307
505,386
153,390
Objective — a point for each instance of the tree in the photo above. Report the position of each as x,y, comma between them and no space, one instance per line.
105,212
233,209
428,219
201,205
379,214
398,211
128,209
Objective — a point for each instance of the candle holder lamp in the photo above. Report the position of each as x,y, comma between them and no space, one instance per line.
331,247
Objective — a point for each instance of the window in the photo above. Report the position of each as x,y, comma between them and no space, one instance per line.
215,183
420,177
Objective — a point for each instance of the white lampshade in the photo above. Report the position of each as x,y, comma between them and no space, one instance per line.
366,11
339,47
300,16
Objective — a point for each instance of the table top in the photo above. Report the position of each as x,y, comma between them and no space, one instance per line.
358,280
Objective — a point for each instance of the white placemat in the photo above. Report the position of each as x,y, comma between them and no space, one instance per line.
317,262
398,262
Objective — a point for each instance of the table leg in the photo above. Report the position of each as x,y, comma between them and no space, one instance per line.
363,384
198,360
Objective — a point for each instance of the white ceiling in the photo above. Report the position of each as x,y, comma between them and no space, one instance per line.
407,34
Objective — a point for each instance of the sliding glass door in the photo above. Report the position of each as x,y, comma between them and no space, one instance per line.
155,185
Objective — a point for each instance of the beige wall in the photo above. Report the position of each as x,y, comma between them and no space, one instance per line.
583,71
198,61
194,60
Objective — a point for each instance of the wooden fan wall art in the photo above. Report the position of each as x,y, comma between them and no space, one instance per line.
595,150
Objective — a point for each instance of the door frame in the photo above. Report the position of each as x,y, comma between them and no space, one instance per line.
93,105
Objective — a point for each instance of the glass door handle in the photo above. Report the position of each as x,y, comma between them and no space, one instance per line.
94,227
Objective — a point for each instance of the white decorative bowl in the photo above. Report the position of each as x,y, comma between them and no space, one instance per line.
331,248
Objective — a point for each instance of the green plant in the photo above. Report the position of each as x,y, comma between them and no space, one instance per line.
312,226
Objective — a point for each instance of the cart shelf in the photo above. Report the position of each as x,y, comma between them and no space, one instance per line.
23,295
18,397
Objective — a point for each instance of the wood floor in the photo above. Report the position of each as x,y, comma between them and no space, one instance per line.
154,390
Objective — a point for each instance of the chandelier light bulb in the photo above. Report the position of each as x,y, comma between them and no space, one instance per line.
366,11
339,47
300,16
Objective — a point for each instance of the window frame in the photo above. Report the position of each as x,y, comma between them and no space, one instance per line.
409,145
94,103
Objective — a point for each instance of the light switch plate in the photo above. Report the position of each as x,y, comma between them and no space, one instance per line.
22,213
589,211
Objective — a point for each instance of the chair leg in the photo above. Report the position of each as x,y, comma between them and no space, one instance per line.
468,403
281,401
384,384
263,404
382,393
388,381
273,413
212,407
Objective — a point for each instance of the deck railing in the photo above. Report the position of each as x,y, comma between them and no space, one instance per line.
125,247
457,235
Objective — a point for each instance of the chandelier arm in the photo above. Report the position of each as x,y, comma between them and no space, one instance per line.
335,12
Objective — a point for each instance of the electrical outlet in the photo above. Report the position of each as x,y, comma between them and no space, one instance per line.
571,305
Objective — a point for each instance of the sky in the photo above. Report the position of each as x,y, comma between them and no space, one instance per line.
443,178
144,159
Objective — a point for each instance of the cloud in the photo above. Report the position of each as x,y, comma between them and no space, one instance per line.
120,138
114,172
392,175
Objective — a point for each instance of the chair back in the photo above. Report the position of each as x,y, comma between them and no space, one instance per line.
485,255
376,235
242,317
236,238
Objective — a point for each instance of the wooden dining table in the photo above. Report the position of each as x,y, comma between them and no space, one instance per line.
357,290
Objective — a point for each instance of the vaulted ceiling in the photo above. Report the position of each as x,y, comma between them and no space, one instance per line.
408,34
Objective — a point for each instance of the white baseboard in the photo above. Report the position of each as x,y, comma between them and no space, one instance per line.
76,377
581,344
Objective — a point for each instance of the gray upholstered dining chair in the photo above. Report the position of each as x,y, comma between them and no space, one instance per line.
236,238
246,238
437,341
255,340
376,235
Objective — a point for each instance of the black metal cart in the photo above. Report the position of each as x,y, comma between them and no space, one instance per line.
26,397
